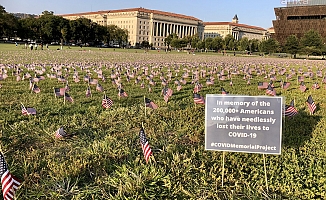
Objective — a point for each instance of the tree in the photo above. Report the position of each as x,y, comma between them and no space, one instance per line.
229,38
176,43
253,45
312,42
292,45
194,41
270,45
217,43
8,24
209,43
244,44
169,39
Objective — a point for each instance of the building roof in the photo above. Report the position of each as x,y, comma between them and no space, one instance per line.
84,13
136,9
234,24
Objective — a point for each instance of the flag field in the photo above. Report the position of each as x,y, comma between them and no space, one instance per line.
102,158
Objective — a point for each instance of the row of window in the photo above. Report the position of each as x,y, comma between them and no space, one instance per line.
306,17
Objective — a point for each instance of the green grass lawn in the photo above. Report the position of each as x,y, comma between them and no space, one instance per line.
102,158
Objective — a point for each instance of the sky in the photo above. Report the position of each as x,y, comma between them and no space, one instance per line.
251,12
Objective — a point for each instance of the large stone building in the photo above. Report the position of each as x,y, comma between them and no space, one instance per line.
234,28
297,20
154,26
145,24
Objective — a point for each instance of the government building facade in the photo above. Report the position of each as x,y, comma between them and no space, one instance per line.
234,28
145,24
154,26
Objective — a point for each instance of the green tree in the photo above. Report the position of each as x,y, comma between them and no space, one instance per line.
176,43
169,39
244,44
253,45
209,43
311,42
8,24
292,45
217,43
194,41
229,39
270,45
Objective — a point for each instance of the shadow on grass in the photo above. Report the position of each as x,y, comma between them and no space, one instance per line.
297,130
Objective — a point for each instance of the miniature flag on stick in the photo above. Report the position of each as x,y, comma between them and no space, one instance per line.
167,93
144,144
150,104
199,99
60,133
224,92
106,102
290,110
36,89
302,87
59,92
88,92
311,105
68,97
28,111
9,182
270,90
99,87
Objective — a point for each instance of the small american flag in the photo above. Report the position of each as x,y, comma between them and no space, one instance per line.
145,145
36,89
99,87
270,90
290,110
286,85
197,87
199,99
167,93
60,133
179,87
122,93
68,97
106,102
28,111
9,182
262,85
59,92
302,87
88,92
224,92
315,86
311,104
149,103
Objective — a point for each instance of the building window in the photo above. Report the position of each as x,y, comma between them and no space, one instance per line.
139,32
139,27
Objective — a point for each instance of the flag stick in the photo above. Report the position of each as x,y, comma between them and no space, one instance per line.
55,96
32,88
145,105
64,99
223,156
265,171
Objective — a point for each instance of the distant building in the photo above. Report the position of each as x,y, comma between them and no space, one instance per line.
297,20
145,24
234,28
